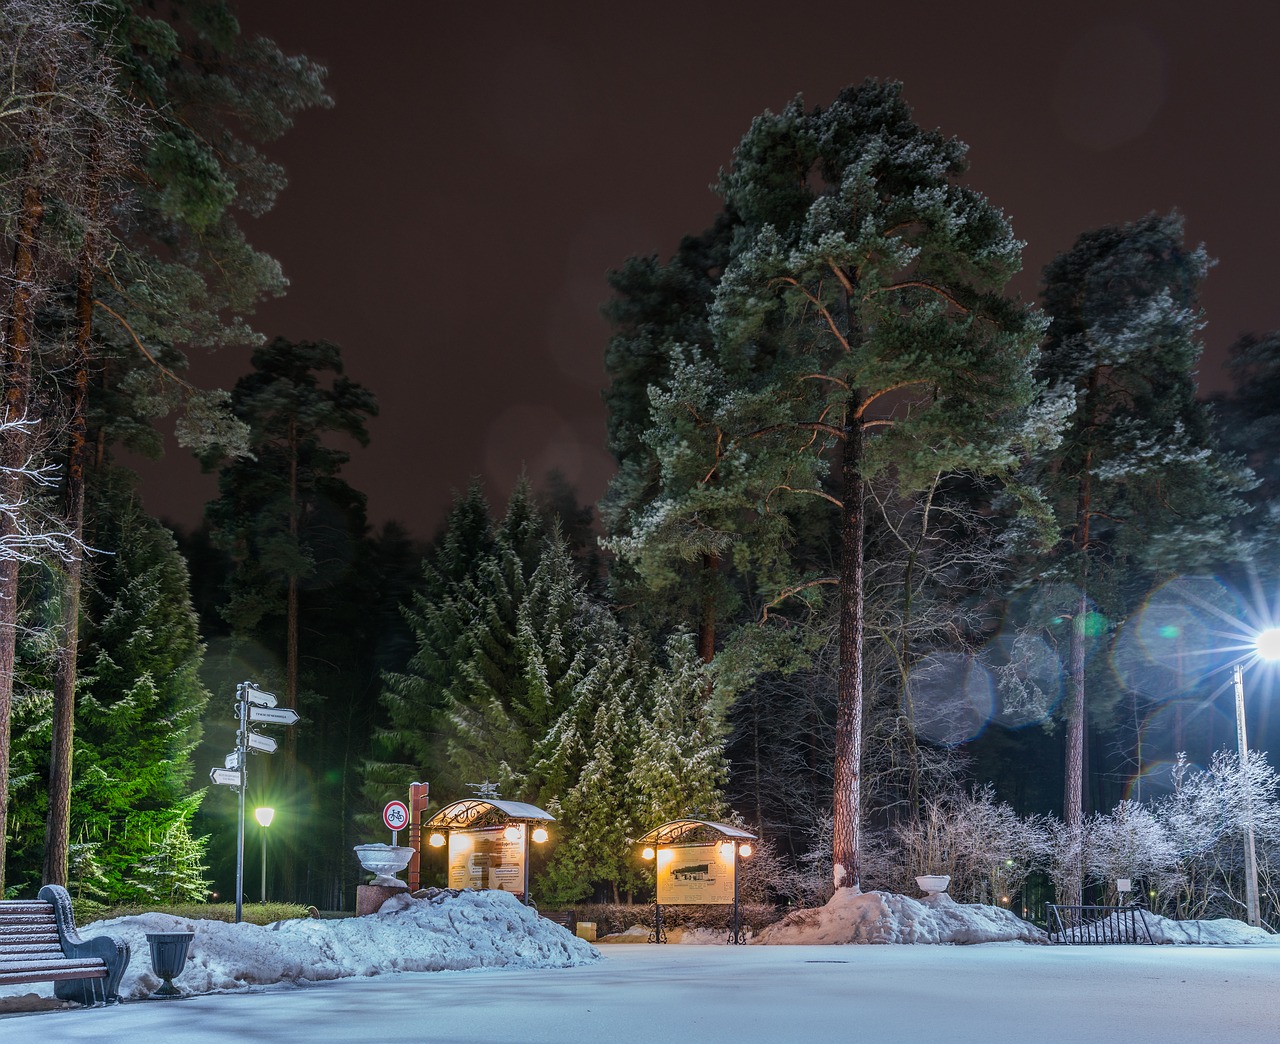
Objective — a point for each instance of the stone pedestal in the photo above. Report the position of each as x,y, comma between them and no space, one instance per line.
369,898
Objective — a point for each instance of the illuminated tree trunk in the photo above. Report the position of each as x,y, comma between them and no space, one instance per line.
847,806
13,453
58,819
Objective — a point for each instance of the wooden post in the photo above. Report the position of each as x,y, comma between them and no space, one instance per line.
418,797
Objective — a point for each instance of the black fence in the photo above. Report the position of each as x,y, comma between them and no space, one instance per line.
1098,925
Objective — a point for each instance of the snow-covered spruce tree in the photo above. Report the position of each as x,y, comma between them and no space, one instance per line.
679,768
1137,490
437,613
858,331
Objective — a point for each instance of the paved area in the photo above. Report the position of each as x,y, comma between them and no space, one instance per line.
988,994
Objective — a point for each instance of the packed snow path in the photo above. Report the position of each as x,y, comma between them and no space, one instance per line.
989,993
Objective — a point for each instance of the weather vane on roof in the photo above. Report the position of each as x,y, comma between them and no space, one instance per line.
485,789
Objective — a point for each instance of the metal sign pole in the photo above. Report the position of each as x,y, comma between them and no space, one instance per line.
244,785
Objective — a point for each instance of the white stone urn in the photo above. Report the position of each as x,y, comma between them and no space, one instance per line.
384,862
933,884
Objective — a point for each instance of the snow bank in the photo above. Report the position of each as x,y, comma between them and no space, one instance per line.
1223,931
884,917
442,930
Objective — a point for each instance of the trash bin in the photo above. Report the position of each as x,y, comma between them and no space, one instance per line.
586,930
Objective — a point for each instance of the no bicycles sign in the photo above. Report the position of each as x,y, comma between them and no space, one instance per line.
396,815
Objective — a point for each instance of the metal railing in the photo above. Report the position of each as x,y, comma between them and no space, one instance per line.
1098,925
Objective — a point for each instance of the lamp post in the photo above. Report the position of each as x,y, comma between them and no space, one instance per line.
264,816
1267,647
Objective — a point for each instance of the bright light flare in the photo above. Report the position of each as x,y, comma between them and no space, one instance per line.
744,850
436,840
647,854
1267,644
540,834
264,815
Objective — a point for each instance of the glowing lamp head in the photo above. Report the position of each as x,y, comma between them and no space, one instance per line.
436,840
647,854
540,834
744,849
1267,644
264,816
512,833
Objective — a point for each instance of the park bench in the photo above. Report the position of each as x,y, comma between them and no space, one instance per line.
39,943
564,918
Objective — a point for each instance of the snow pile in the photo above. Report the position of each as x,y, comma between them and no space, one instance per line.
851,916
1224,931
443,930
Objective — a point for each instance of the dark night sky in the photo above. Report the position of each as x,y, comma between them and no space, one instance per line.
450,222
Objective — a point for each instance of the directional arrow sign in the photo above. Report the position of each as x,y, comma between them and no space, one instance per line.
231,776
233,760
263,743
253,694
273,715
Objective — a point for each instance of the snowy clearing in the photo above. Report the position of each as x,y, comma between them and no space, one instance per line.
292,967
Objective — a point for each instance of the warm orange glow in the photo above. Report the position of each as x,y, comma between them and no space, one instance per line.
436,840
512,833
744,850
540,834
647,853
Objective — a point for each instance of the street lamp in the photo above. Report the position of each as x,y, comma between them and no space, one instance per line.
264,816
1266,646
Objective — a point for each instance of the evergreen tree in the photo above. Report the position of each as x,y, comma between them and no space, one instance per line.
679,767
1137,490
295,532
858,332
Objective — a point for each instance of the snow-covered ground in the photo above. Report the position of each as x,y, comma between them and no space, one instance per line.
499,971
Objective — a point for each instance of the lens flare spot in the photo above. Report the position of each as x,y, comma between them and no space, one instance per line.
953,698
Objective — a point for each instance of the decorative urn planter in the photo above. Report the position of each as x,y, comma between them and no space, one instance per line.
934,884
169,952
384,862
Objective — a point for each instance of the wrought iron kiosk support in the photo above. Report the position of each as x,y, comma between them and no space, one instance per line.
695,834
659,934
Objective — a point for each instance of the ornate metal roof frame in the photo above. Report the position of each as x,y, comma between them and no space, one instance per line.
479,812
693,832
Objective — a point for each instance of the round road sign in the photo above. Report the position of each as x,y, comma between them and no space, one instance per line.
396,815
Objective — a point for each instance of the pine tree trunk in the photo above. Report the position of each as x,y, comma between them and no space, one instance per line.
57,833
13,454
707,617
57,836
847,805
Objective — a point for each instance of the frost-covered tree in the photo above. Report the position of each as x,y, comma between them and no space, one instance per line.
858,332
1135,483
1131,842
679,767
1204,820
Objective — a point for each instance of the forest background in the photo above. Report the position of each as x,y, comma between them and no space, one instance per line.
878,533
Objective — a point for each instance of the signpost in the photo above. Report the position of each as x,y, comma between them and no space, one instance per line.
274,715
396,816
256,705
